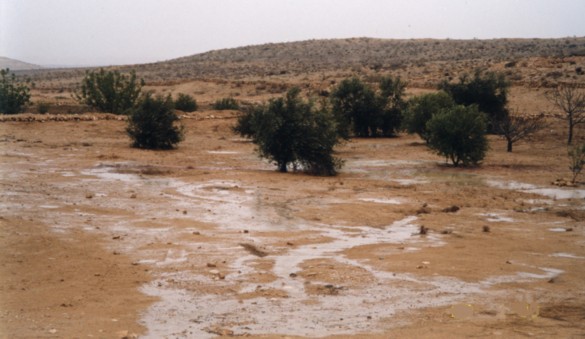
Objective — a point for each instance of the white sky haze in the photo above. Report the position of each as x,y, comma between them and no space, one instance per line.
105,32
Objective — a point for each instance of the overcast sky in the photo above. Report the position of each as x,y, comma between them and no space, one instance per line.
104,32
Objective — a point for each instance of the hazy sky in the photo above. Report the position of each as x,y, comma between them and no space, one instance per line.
102,32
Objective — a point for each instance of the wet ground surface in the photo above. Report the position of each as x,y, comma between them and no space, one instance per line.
234,248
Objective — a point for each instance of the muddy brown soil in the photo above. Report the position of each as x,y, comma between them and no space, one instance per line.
101,240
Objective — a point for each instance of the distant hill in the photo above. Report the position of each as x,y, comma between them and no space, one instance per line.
16,65
343,54
423,62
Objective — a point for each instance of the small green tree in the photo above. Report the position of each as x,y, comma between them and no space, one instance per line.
14,96
459,134
421,109
245,122
392,105
109,91
487,90
226,104
356,108
152,124
185,103
292,132
360,109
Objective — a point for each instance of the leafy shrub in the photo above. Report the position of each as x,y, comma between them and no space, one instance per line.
151,125
290,131
109,91
226,104
14,96
354,105
185,103
245,122
43,107
487,90
392,105
577,160
421,109
358,108
459,134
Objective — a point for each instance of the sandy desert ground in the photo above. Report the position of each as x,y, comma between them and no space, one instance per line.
102,240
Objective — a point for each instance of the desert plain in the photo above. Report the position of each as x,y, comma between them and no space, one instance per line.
101,240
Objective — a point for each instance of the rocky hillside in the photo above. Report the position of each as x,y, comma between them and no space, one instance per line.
424,62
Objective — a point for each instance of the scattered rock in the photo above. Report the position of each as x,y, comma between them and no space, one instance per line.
446,231
423,230
196,233
293,275
133,196
211,265
486,229
288,243
451,209
425,209
254,250
88,195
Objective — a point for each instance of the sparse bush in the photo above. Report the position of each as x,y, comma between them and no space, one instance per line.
577,160
571,101
421,109
14,96
185,103
459,134
43,107
226,104
152,124
487,90
293,132
109,91
517,127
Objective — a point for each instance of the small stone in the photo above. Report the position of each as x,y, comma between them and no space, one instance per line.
288,243
486,229
451,209
133,196
211,265
293,275
88,195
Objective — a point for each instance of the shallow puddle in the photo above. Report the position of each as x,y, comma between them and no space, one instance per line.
553,193
156,220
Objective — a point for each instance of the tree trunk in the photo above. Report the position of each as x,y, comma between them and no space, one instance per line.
282,167
509,149
570,140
